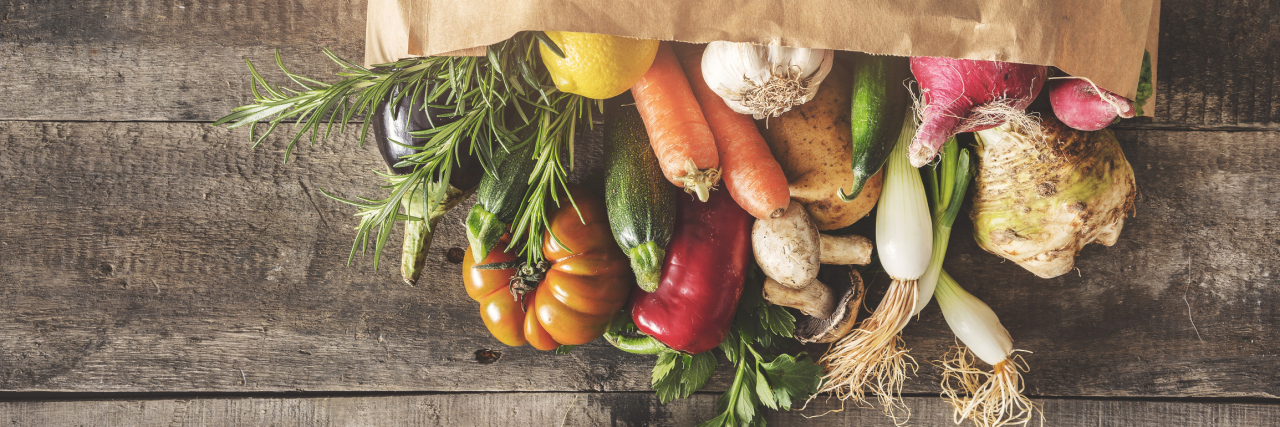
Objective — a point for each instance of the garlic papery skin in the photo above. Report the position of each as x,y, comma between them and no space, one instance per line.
764,81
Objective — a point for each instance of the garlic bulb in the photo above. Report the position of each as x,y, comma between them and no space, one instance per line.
764,81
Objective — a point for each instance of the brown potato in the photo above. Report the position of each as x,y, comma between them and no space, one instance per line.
812,143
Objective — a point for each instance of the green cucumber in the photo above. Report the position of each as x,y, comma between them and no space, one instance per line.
879,105
498,199
640,201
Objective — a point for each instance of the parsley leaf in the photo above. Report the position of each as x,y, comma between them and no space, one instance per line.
774,382
766,394
790,377
759,380
676,376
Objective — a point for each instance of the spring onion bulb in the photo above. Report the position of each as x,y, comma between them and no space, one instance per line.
872,357
987,398
904,228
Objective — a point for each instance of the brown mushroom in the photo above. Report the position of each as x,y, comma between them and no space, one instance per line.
790,252
844,315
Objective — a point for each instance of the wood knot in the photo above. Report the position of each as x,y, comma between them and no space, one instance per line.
485,356
455,255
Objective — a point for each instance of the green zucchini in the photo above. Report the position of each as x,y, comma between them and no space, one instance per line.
498,199
879,105
640,201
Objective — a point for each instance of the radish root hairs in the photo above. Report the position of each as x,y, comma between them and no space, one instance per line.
872,357
985,116
1001,111
989,399
1104,94
954,91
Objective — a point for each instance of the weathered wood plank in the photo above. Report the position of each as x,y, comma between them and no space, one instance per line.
144,256
177,60
1219,63
581,409
161,60
226,23
169,256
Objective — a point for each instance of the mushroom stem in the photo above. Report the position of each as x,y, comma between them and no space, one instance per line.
844,250
814,299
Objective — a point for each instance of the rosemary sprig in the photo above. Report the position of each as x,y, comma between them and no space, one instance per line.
478,91
554,145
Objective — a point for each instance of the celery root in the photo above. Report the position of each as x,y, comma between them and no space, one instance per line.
1042,198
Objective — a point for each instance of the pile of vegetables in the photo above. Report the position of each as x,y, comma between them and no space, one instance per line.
731,171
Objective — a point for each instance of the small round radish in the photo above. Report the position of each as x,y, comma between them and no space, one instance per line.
1078,104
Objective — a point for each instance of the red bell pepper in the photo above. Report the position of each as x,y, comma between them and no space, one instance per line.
702,276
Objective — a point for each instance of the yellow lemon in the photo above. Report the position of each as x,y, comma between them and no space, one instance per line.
597,66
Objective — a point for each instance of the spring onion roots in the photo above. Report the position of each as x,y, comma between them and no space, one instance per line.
988,399
872,357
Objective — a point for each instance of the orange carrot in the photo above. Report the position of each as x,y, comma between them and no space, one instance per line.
683,143
752,176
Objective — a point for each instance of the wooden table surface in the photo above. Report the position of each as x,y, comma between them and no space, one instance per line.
156,270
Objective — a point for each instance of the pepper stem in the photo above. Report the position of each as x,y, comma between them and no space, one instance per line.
636,345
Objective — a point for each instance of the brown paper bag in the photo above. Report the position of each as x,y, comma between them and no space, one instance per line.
1099,39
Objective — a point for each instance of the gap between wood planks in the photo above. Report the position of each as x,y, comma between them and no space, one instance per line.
39,396
1123,126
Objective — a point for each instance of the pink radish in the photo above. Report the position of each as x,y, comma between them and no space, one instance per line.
964,95
1080,104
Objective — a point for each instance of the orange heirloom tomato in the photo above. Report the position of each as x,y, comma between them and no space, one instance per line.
584,289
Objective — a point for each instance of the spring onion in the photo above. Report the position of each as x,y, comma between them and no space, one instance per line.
988,399
947,182
872,358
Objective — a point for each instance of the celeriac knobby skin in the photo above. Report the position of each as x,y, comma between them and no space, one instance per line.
1041,195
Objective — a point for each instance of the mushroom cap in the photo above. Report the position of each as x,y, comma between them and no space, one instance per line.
852,291
787,248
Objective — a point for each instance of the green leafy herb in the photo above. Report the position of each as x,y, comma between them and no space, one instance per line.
787,375
482,93
677,376
759,379
554,147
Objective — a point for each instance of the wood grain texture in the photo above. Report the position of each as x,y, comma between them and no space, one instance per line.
1189,282
582,409
1219,64
174,60
170,257
185,261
